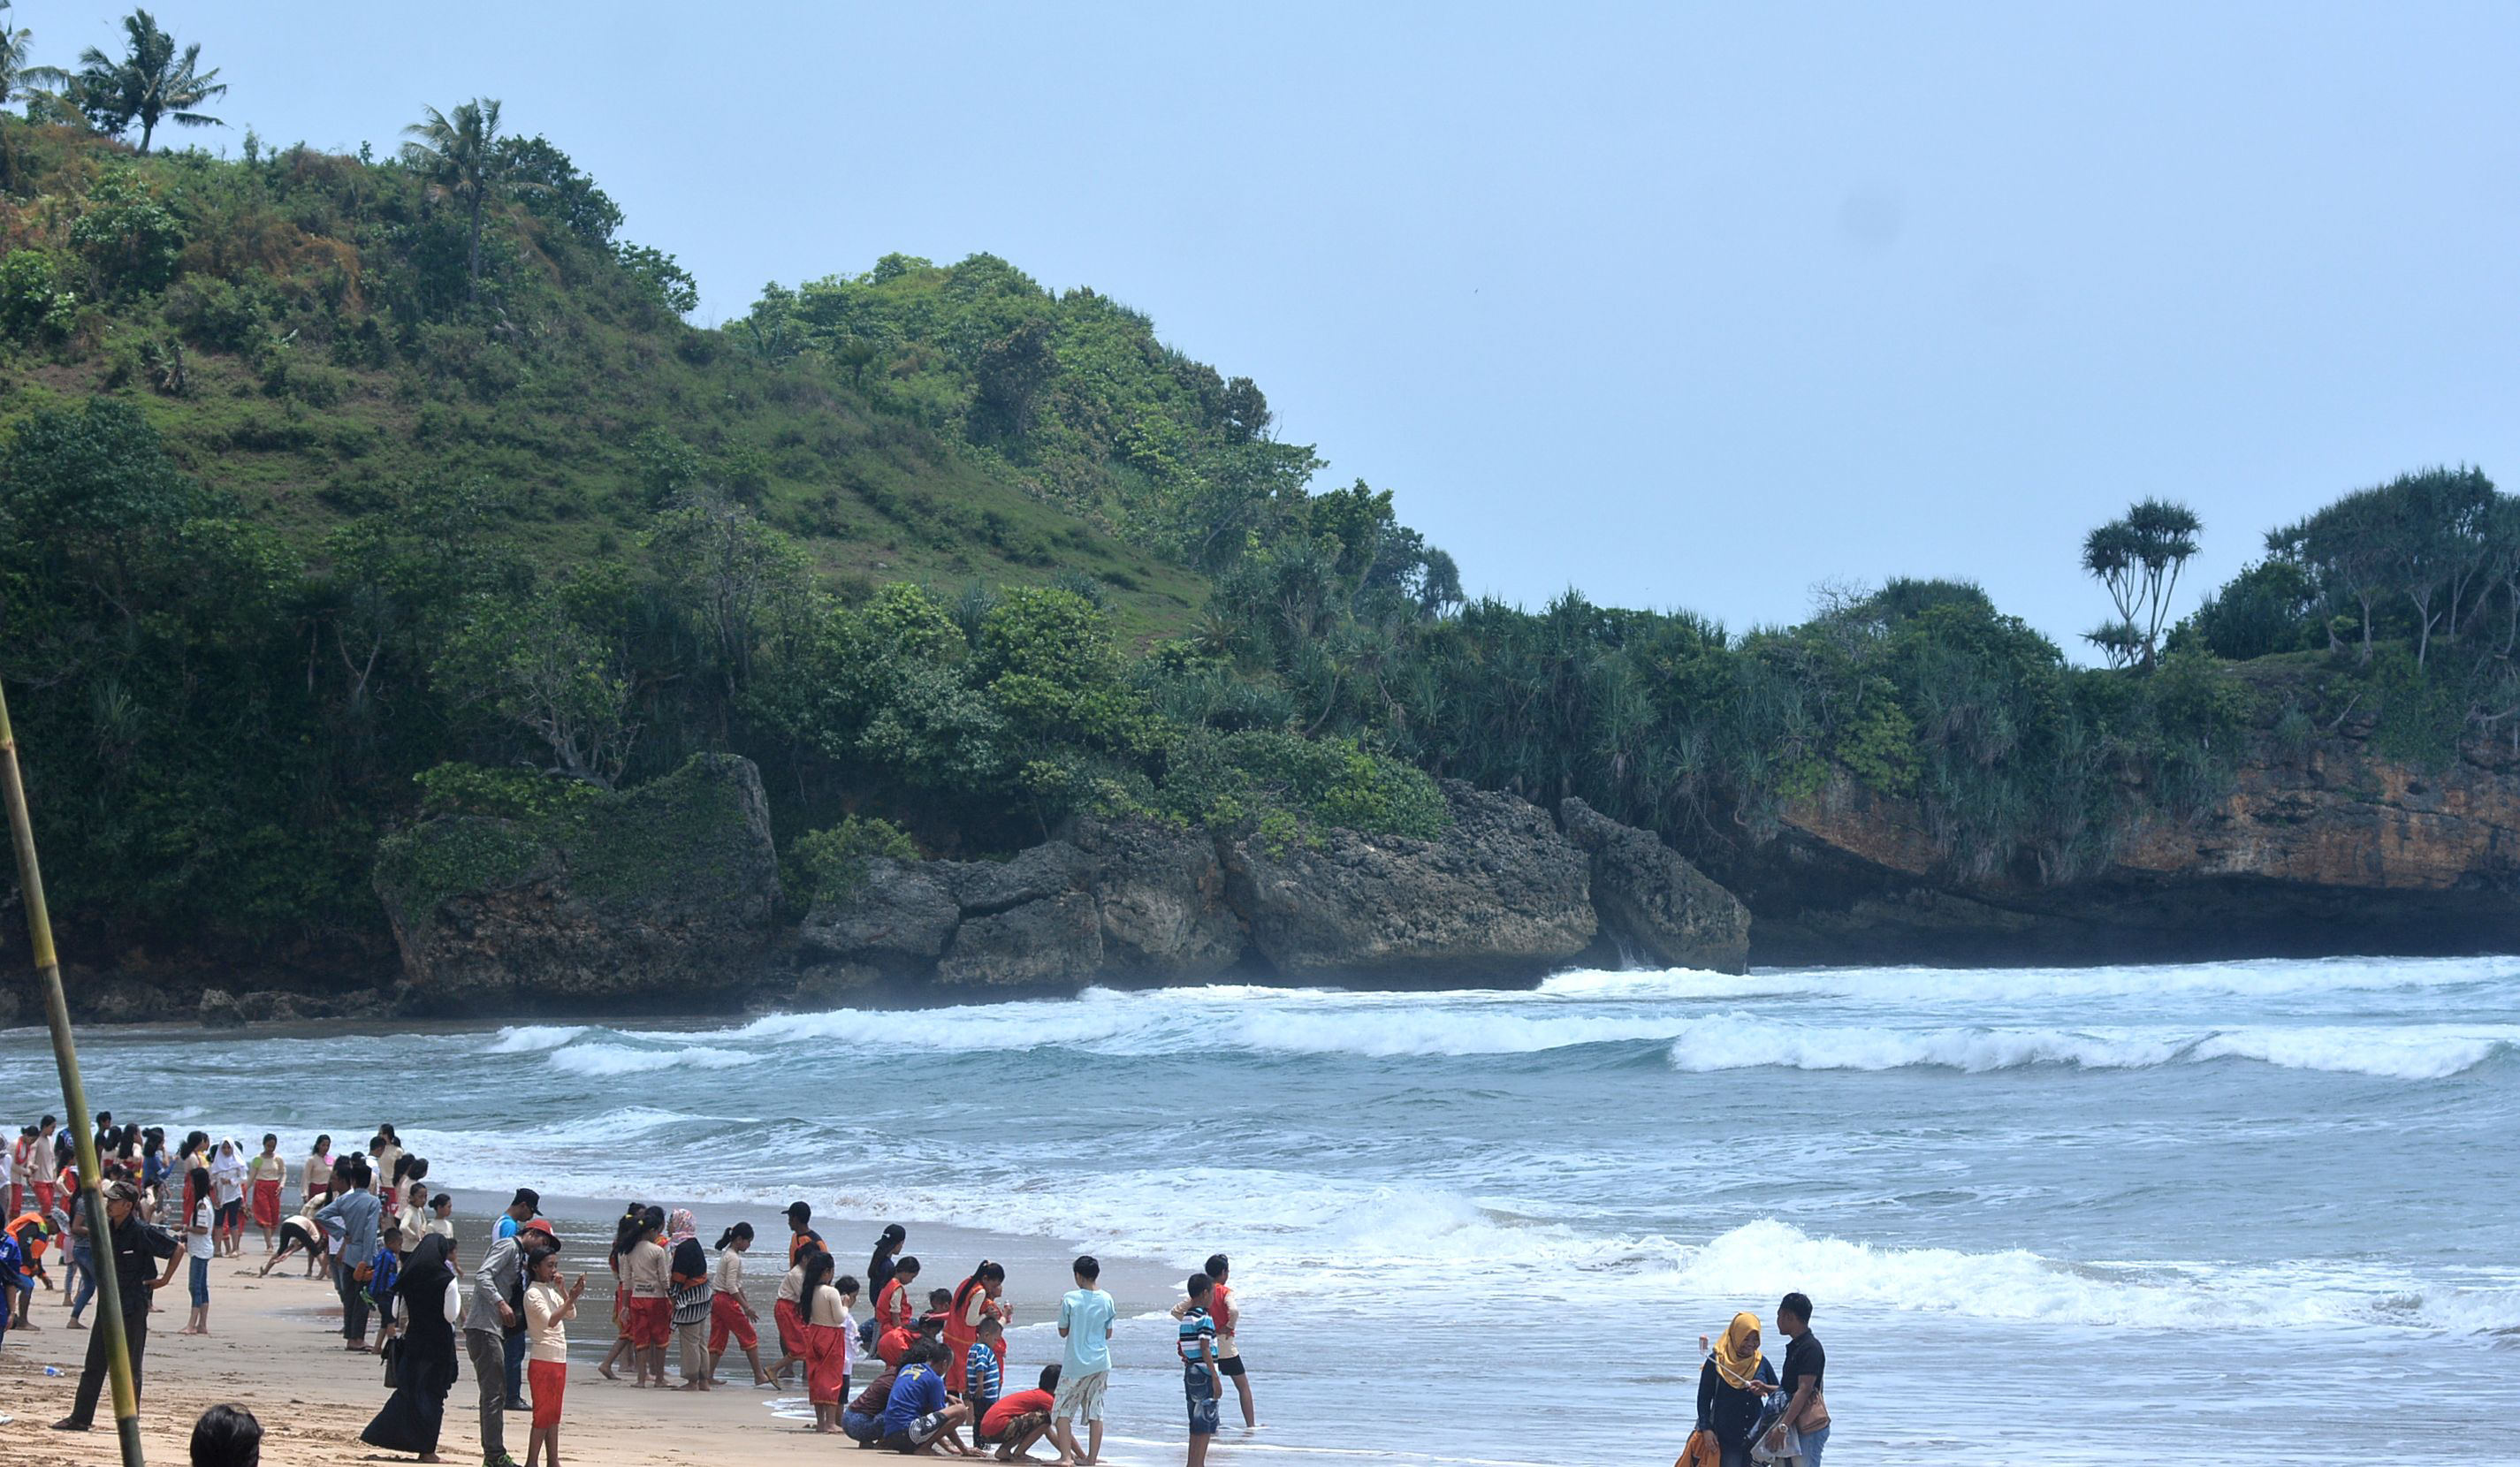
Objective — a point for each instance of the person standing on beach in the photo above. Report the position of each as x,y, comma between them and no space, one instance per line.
354,1213
522,1208
731,1314
651,1272
625,1236
824,1304
201,1245
785,1311
1085,1317
431,1300
227,1188
547,1308
692,1292
134,1244
43,1165
383,1151
973,1300
1805,1362
495,1305
879,1269
800,1231
1222,1309
985,1374
264,1176
316,1179
1202,1384
897,1308
1732,1387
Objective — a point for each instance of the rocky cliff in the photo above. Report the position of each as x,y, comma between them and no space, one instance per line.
666,897
2318,846
653,899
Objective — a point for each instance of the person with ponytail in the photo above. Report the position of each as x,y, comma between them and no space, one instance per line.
974,1300
786,1309
650,1271
625,1236
824,1304
731,1314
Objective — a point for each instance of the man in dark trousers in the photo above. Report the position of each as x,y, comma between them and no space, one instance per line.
136,1245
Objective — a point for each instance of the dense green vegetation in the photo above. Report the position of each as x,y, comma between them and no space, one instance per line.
337,490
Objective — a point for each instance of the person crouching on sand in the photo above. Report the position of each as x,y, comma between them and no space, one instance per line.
548,1309
917,1419
731,1314
1017,1421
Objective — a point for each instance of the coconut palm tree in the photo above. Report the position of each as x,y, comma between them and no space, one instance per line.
153,82
461,155
19,77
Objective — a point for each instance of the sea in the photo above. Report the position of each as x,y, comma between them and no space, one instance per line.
2241,1212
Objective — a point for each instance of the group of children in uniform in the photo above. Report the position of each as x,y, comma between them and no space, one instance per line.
943,1366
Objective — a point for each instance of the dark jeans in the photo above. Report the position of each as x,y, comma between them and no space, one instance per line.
92,1378
489,1368
514,1345
85,1260
354,1302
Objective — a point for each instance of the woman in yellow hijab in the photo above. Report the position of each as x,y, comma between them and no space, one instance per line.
1732,1386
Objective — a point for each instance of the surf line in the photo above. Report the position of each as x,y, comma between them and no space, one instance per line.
1227,1443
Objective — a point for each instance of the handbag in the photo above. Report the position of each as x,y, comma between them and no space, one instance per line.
392,1356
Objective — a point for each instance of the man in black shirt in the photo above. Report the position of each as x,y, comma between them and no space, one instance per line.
136,1243
1805,1362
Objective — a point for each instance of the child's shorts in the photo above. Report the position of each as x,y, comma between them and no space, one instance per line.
1199,1387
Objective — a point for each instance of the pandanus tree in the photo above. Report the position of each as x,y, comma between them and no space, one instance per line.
152,82
2138,557
460,154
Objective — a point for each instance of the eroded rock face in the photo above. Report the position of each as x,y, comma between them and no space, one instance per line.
1501,894
1651,901
630,902
1160,891
2314,850
897,920
1055,940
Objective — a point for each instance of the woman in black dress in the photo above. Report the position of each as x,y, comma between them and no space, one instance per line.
425,1360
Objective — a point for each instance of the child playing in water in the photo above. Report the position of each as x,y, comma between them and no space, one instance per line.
1202,1383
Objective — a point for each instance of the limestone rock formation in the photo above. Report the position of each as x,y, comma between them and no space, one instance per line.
1499,895
1160,891
627,902
1651,901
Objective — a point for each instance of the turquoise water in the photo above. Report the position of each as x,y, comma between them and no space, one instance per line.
2247,1212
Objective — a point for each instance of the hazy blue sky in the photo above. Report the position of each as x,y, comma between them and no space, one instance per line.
1683,305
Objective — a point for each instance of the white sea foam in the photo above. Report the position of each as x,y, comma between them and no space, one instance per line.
2420,1051
528,1038
622,1059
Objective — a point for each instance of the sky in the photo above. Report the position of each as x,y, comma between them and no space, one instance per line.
1680,305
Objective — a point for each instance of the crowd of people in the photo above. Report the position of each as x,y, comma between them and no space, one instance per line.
923,1373
934,1361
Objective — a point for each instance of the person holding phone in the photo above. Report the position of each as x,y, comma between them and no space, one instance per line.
548,1309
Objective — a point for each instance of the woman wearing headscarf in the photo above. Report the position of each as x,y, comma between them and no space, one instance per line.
1733,1388
424,1354
691,1291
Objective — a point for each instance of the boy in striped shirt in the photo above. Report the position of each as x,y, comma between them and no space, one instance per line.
1203,1385
982,1380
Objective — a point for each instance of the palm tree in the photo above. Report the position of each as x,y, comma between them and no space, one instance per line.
461,155
16,76
153,82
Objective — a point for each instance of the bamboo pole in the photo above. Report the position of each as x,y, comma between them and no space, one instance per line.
57,1010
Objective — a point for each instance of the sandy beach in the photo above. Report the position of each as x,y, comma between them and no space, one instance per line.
276,1348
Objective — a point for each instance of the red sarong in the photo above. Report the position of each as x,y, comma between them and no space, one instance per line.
792,1330
651,1324
266,1203
726,1318
827,1363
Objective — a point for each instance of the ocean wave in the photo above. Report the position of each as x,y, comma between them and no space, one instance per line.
623,1059
528,1038
2417,1051
2250,978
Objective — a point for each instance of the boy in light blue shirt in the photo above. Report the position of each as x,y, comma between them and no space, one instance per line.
1085,1318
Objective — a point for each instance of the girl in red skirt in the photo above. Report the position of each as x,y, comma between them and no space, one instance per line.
547,1308
650,1271
829,1333
731,1314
